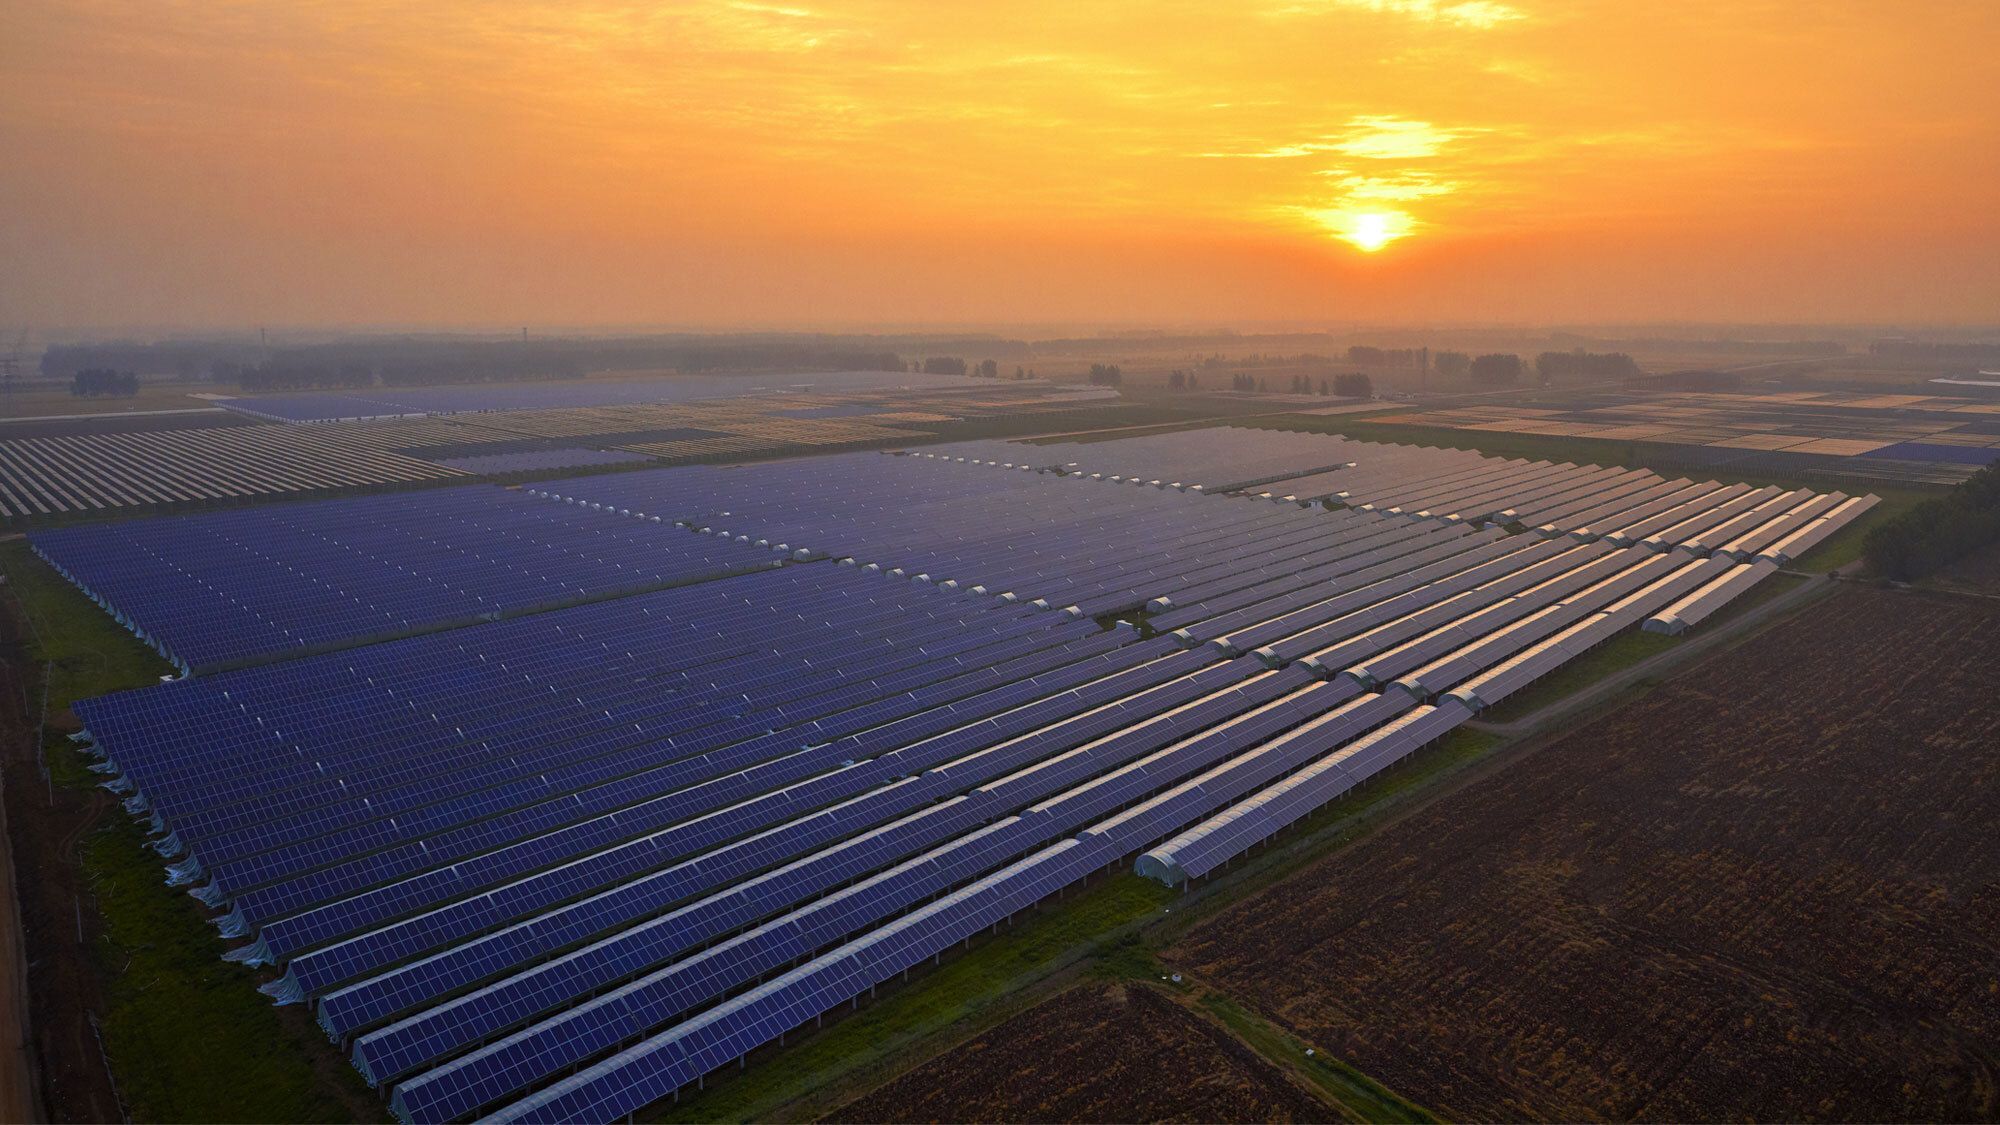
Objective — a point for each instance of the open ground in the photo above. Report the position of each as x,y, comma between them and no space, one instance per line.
1763,890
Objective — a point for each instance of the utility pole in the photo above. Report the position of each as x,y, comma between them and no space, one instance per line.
11,366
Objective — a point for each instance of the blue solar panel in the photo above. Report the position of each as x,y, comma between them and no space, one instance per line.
583,854
229,588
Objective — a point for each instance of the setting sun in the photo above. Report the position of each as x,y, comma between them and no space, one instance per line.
1366,230
1372,230
778,162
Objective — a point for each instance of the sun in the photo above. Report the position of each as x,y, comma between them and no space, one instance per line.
1369,231
1366,229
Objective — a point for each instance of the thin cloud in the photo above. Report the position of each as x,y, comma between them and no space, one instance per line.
1478,14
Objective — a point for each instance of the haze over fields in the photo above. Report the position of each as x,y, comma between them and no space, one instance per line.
727,163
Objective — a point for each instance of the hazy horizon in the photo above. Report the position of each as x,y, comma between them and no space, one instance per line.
848,164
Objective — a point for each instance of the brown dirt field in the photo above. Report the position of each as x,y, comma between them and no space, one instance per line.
1769,889
1097,1052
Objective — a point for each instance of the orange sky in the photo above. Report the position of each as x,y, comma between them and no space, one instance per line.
834,162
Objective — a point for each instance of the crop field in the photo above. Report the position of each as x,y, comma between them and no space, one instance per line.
1763,891
1917,438
1099,1052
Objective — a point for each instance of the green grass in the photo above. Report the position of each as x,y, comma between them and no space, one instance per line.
1629,648
1112,929
962,988
188,1035
1312,838
87,652
1770,589
1360,1096
1608,659
1845,545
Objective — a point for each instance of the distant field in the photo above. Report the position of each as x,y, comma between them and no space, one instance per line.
1100,1052
1762,891
40,399
1668,461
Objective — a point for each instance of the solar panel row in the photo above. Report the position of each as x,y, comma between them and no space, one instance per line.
558,866
248,584
46,476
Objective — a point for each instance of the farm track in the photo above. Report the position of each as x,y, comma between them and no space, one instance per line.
1764,890
1701,645
1099,1052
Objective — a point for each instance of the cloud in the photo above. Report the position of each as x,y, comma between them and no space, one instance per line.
1479,14
1399,188
1365,137
1393,138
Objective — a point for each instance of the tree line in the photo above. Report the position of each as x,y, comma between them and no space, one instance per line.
95,381
1582,364
1350,385
1389,357
416,361
1937,532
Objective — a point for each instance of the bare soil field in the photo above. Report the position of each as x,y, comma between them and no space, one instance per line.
1769,889
1098,1052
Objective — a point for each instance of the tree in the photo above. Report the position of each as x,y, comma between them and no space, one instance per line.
1355,385
988,369
1452,365
95,381
1177,381
1496,369
1550,366
1106,374
1930,535
944,365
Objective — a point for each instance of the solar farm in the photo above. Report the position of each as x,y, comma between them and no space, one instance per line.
326,443
1926,439
548,801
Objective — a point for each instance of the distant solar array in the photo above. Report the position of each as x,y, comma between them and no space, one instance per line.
398,402
1917,437
101,472
251,584
558,866
110,472
539,460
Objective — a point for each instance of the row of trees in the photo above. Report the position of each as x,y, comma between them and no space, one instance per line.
1937,532
1582,364
418,360
1388,357
1496,369
94,381
952,365
1106,375
1351,385
1936,353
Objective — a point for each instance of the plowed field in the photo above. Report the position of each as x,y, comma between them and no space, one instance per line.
1770,889
1095,1053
